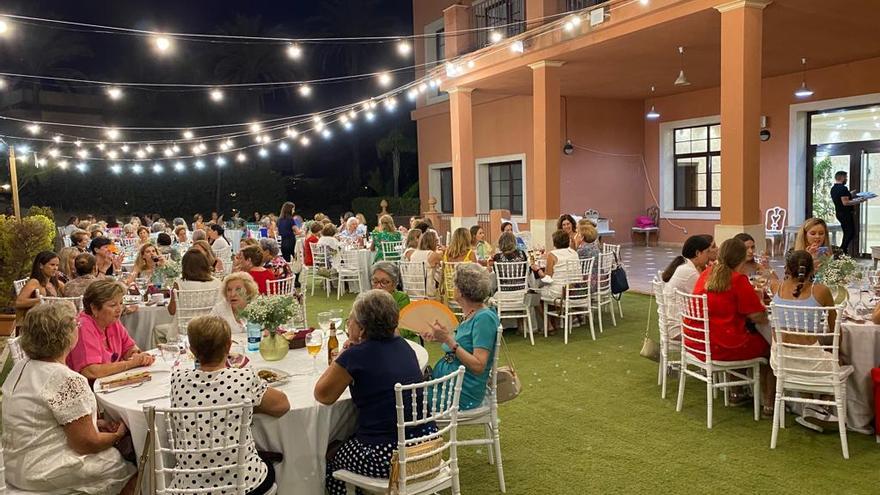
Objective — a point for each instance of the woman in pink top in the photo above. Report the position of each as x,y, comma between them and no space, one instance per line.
104,347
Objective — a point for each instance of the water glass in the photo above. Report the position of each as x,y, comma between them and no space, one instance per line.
324,320
170,354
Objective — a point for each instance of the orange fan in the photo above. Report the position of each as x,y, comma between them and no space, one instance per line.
419,315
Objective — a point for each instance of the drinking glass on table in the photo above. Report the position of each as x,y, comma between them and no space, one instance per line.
336,318
324,319
141,284
314,343
170,354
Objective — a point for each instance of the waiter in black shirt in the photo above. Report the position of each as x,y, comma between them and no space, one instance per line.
844,209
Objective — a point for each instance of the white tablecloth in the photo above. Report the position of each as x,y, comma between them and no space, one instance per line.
859,347
140,324
301,435
365,262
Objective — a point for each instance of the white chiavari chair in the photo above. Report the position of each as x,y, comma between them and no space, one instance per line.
348,271
321,263
435,400
603,294
414,279
392,250
510,299
19,284
615,249
806,363
668,347
774,227
576,297
76,301
696,353
193,303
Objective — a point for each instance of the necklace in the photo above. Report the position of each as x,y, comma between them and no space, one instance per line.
470,313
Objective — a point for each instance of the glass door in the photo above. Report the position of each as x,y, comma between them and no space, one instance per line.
869,214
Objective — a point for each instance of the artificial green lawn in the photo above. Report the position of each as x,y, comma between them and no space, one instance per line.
590,420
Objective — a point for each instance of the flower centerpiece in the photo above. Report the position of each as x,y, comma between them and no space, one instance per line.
270,312
838,273
168,272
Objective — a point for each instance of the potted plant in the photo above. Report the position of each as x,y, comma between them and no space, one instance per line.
270,312
20,241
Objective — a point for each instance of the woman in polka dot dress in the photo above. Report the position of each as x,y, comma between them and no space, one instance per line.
375,360
214,384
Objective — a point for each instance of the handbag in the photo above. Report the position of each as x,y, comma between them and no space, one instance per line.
415,468
296,266
507,384
650,347
619,284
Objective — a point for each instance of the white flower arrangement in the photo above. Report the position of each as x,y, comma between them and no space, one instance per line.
170,271
270,312
840,271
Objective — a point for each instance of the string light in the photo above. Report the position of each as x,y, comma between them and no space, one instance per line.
112,134
495,36
77,143
169,151
517,47
83,153
175,148
221,161
116,169
187,134
404,48
149,149
82,167
571,24
255,127
163,43
384,78
352,114
57,139
140,154
199,164
34,129
2,83
304,141
100,146
114,92
178,166
370,115
294,51
112,154
137,168
263,152
4,26
53,152
241,157
305,90
62,164
283,146
216,95
291,132
326,134
124,148
157,168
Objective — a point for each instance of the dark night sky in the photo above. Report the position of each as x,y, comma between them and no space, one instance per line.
129,58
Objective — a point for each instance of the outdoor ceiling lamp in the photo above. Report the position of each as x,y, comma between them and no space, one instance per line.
803,91
652,114
681,80
568,148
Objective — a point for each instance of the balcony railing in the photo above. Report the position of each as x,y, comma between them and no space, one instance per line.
570,5
509,16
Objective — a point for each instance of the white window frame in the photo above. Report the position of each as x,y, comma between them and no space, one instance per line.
482,183
433,96
434,182
667,169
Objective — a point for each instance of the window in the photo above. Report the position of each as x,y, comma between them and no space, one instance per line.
697,167
447,202
507,15
439,45
506,187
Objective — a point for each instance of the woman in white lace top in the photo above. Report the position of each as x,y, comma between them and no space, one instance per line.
52,438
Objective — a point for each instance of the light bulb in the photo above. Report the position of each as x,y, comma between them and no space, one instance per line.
216,95
241,157
137,168
495,36
4,26
283,146
652,114
220,161
196,150
82,167
77,143
112,154
57,139
83,153
352,114
149,149
140,153
116,169
291,132
423,87
370,115
163,43
34,129
404,48
124,148
326,134
53,152
294,51
263,152
305,90
470,64
114,92
169,152
517,47
175,148
112,134
178,166
63,164
230,143
304,141
319,126
187,134
199,164
255,127
100,146
2,83
157,168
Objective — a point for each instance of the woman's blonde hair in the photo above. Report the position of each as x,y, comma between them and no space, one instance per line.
50,330
460,244
730,256
587,231
209,338
800,243
203,246
66,256
428,241
387,223
250,287
412,238
250,241
139,263
99,293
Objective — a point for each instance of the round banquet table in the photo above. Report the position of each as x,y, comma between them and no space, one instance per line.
859,347
141,323
301,435
365,262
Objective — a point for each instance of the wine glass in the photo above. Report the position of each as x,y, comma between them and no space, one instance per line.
141,283
170,354
314,342
324,320
336,318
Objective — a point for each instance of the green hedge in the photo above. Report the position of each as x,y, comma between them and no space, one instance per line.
369,206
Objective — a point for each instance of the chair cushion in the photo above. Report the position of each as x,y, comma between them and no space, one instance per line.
380,485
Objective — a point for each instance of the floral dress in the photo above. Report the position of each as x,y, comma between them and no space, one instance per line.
380,236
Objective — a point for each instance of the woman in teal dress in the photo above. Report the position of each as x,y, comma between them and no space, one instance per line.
385,232
472,344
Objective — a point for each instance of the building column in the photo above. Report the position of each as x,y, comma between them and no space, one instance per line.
537,10
464,178
543,173
457,18
741,40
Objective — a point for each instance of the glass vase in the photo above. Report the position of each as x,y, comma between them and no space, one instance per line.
273,347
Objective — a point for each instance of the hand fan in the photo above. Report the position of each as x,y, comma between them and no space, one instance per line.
419,315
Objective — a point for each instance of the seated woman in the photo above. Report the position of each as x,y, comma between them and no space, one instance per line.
683,272
350,232
163,241
508,252
813,238
238,289
508,227
412,242
272,259
373,361
585,241
214,384
180,235
558,266
146,264
732,302
752,266
386,276
251,261
104,347
472,344
143,234
482,249
567,224
328,242
51,435
385,232
84,265
196,274
43,282
203,246
429,254
66,270
80,239
108,262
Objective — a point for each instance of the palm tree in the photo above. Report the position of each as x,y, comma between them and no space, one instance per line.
393,144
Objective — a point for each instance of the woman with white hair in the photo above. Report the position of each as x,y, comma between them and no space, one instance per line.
237,291
472,343
52,436
272,259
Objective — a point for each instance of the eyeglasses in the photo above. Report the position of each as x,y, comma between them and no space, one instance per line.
383,283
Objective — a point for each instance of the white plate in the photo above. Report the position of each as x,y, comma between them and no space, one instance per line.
283,376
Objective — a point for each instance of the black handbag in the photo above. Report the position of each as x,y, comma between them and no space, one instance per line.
619,284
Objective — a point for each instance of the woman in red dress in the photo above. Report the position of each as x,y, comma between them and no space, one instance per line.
732,303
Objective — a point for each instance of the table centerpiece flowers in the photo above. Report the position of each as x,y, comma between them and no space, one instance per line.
270,312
